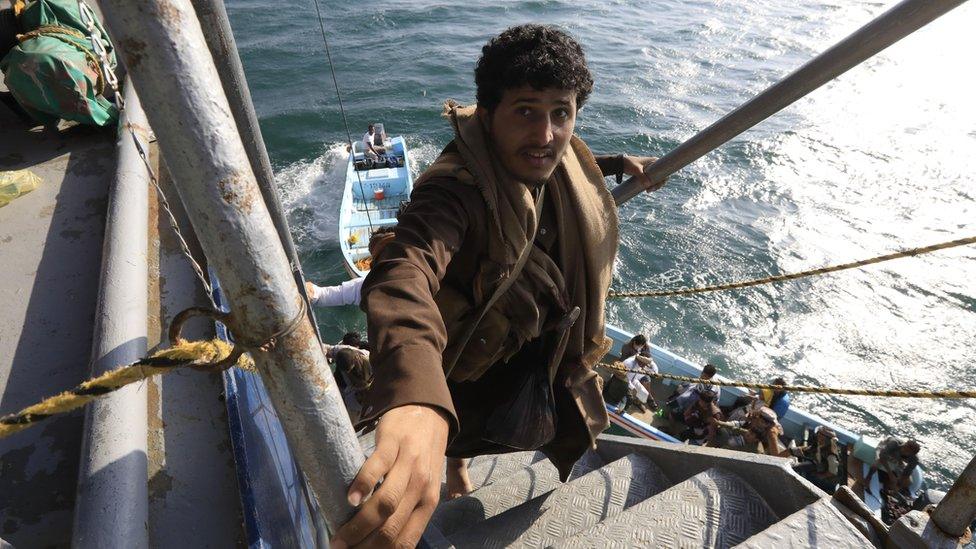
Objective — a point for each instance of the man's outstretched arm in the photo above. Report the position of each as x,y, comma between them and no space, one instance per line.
409,392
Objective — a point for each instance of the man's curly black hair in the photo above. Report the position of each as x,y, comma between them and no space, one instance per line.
538,55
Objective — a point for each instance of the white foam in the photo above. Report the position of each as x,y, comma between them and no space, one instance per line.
310,192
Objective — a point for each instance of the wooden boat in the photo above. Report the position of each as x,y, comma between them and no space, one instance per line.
374,191
798,425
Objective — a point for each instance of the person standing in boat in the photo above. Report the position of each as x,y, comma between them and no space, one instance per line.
486,311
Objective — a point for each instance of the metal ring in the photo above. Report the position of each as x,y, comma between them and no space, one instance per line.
270,342
176,329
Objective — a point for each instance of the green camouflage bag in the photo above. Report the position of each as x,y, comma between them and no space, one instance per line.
53,72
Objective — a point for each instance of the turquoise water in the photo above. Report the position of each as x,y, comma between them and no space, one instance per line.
879,160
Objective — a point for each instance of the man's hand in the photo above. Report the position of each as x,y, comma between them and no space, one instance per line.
409,457
634,165
310,290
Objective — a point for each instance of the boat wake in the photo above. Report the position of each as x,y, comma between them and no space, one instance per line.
310,192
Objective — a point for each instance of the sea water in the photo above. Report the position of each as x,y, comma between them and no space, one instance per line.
879,160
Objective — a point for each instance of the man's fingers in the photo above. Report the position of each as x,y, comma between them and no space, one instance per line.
386,534
383,504
375,467
651,188
414,528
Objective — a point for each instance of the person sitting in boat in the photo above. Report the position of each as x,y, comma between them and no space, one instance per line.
352,365
895,462
370,147
759,432
486,311
777,399
639,383
350,291
637,345
355,340
820,460
702,419
686,394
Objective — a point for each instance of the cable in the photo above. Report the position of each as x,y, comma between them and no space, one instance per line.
342,111
792,276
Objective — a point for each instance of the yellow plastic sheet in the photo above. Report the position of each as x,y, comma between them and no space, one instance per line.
16,183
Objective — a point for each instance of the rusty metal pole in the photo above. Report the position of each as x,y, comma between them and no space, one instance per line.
164,50
223,48
957,510
883,31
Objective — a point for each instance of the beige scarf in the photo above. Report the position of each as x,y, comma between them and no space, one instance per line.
586,217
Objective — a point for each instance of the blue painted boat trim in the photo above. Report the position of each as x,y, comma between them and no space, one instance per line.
274,506
637,427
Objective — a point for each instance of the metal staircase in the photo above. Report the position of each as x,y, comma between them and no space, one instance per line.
635,493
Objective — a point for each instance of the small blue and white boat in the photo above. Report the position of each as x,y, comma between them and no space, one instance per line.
375,188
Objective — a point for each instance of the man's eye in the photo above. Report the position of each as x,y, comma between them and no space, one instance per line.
525,111
562,114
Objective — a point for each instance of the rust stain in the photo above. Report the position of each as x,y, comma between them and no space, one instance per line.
133,50
139,129
169,13
160,484
231,191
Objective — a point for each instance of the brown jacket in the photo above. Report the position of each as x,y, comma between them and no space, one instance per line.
455,239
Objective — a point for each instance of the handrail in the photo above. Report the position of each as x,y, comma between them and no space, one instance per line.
172,70
883,31
957,510
220,40
112,499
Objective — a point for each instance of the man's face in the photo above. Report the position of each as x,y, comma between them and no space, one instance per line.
530,130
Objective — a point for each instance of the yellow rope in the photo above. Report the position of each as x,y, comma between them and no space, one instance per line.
802,388
783,277
203,355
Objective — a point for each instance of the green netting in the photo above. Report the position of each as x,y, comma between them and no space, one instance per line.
53,74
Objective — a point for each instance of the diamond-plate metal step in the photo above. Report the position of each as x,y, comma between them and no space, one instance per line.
506,492
714,508
570,508
484,470
816,525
